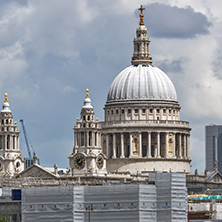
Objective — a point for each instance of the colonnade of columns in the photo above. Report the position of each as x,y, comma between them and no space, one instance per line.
87,139
9,142
147,144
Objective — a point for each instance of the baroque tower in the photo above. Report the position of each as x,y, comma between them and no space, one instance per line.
11,161
87,157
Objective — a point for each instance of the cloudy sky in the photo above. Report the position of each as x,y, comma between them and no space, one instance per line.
51,51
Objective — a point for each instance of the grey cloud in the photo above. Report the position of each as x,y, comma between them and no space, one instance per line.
172,66
164,21
217,65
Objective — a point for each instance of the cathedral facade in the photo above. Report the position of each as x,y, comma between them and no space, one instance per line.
142,131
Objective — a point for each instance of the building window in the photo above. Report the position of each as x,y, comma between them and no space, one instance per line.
129,111
158,111
170,111
122,111
117,111
136,110
2,121
108,112
88,117
17,165
164,111
112,112
143,111
84,117
151,110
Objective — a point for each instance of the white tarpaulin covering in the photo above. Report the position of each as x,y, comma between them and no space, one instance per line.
165,201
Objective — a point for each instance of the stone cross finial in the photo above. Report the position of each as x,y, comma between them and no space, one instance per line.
141,15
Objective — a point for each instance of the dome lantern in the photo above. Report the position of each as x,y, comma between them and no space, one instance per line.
141,43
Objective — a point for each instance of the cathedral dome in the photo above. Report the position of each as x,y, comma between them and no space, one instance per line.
141,83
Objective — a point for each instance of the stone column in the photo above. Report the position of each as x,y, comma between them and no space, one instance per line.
158,144
149,145
93,142
76,139
167,114
107,145
166,151
122,146
114,146
97,139
17,142
174,145
146,50
185,146
161,114
86,139
79,138
180,147
13,142
154,113
131,145
188,146
140,144
10,142
6,142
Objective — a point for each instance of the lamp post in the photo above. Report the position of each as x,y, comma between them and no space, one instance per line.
89,208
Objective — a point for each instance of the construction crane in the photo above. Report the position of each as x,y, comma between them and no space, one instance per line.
26,139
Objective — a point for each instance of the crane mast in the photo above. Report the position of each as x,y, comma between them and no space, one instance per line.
26,139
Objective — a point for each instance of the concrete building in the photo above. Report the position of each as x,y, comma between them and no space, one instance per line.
213,149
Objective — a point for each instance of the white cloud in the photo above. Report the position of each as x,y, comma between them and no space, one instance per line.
69,89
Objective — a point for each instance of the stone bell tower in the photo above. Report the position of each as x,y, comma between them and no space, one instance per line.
87,157
11,160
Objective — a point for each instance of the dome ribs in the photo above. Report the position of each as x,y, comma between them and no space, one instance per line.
141,83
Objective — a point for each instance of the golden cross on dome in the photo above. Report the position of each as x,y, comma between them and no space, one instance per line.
141,15
87,93
6,97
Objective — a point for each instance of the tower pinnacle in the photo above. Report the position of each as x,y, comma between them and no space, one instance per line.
141,15
87,93
141,43
6,97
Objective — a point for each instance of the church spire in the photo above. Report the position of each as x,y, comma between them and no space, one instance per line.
141,43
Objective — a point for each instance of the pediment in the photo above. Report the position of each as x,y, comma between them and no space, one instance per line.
37,171
215,177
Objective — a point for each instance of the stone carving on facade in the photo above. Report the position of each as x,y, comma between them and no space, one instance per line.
135,142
